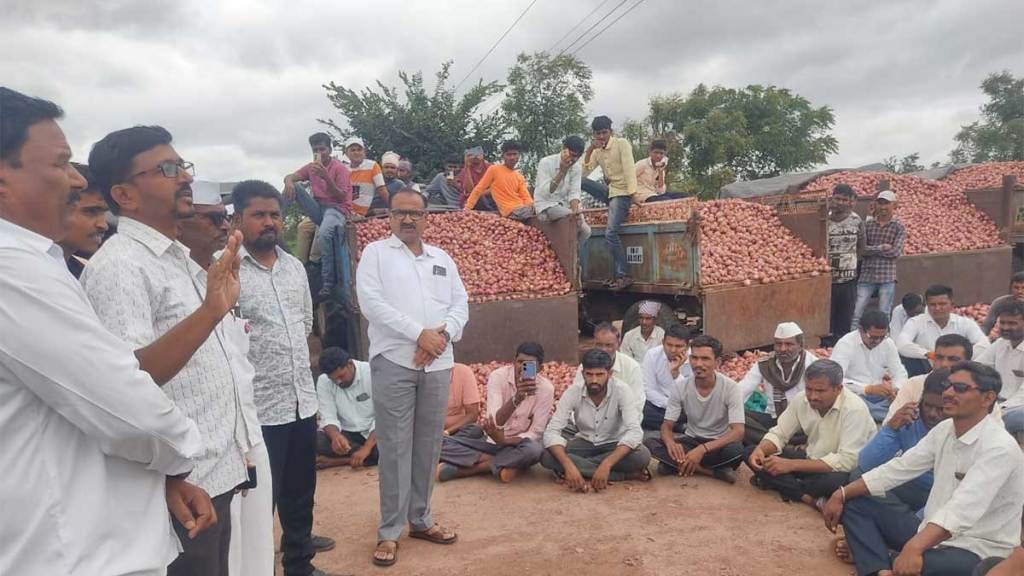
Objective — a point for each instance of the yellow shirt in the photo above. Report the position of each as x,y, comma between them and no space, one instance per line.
616,161
835,438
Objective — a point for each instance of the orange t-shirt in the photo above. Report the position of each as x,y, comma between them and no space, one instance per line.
508,188
462,392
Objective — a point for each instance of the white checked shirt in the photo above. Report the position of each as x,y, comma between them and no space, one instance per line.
627,371
85,432
920,333
401,294
277,304
866,367
979,485
142,284
615,420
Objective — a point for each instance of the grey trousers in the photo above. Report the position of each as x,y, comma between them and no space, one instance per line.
466,446
554,213
409,407
587,457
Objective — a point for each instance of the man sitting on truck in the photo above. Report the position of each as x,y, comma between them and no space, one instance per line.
918,338
778,379
664,367
624,368
638,341
507,186
557,188
609,443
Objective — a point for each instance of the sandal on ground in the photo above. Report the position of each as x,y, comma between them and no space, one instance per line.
386,561
435,535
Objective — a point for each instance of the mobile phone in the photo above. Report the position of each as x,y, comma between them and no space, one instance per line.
530,370
249,484
355,191
316,157
451,175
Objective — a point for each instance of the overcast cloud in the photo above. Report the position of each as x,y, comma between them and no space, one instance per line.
239,83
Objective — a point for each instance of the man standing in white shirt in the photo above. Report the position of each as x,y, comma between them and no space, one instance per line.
871,365
147,290
1006,355
919,334
608,445
252,516
974,508
276,302
556,189
646,335
624,369
94,433
664,367
413,298
778,378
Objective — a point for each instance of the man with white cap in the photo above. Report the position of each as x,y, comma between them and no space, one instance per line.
389,162
366,177
638,341
252,516
884,237
778,378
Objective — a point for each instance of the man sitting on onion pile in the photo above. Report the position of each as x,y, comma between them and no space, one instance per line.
777,379
608,444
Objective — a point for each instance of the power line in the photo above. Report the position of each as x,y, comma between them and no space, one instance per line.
495,45
578,24
594,37
592,26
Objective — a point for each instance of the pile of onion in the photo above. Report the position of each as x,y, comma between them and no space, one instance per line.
977,312
936,213
738,366
498,258
984,176
667,211
745,242
559,373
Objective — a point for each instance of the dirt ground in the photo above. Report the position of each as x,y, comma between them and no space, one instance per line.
671,526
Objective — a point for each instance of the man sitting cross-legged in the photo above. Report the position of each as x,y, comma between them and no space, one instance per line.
974,508
713,442
837,423
346,435
608,444
519,402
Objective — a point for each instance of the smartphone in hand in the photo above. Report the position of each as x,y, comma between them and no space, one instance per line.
529,370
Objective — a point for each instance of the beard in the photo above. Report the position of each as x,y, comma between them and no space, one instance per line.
265,241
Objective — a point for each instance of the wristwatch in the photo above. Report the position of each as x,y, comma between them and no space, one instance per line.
447,336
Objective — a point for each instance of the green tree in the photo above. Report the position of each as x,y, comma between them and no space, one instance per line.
545,101
749,133
420,125
905,165
999,135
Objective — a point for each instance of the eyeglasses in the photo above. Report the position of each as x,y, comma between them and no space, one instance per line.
414,215
961,388
215,218
170,169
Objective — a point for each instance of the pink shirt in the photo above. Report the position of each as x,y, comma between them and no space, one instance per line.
531,417
339,174
461,393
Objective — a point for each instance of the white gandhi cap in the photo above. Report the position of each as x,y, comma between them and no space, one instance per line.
788,330
206,193
649,308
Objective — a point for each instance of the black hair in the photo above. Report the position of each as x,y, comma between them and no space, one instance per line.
18,113
843,190
596,358
454,159
1017,278
574,143
956,341
244,192
410,191
828,369
911,300
601,123
874,319
705,341
509,145
333,358
90,180
321,138
659,144
1009,308
986,377
606,327
679,332
938,290
531,349
110,159
936,382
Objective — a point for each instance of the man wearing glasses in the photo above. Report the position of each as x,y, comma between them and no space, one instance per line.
974,507
147,290
416,305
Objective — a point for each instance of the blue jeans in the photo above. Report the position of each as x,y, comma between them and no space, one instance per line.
333,247
877,405
873,528
618,211
598,190
1013,419
886,293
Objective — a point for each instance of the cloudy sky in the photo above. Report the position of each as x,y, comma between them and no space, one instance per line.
239,84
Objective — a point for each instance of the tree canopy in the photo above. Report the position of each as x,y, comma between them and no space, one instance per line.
999,135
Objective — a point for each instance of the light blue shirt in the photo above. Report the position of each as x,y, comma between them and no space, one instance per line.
348,409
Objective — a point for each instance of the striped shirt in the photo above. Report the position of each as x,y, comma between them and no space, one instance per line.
879,266
365,178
